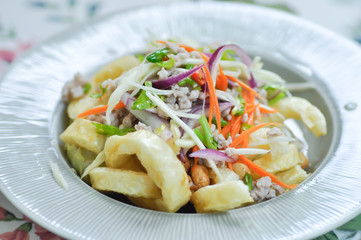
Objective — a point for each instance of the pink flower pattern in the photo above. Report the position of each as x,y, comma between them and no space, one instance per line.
15,235
2,213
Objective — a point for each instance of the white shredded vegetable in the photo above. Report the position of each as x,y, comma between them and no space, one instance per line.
185,143
58,176
271,140
187,115
96,163
151,89
136,74
267,76
225,96
157,101
245,151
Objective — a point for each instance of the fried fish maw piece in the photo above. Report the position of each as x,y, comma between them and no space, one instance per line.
115,69
84,134
301,109
221,197
160,162
130,183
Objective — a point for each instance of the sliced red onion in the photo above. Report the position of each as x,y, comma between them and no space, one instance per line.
212,154
166,83
252,82
217,55
149,118
208,54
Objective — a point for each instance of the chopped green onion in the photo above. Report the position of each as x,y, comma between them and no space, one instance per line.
98,94
248,181
223,122
140,57
87,87
143,102
110,130
228,55
245,126
166,64
200,135
189,66
275,92
209,141
158,55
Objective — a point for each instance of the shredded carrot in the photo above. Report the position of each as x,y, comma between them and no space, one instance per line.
222,81
236,127
99,110
230,165
243,85
260,171
194,149
214,100
246,133
250,118
266,110
226,130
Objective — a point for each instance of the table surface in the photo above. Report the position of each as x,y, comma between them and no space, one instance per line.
54,16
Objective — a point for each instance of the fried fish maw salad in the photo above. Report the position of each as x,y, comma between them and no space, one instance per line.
186,124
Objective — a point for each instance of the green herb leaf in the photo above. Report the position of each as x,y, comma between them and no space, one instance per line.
223,122
98,94
200,135
248,181
143,102
209,141
166,64
189,66
275,92
245,126
87,87
228,55
110,130
158,55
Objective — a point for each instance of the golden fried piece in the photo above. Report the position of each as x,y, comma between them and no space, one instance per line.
301,109
273,163
160,162
221,197
130,183
115,69
84,134
295,175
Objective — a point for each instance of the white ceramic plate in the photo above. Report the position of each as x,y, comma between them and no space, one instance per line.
32,116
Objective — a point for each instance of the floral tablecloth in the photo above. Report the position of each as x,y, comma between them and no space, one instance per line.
40,20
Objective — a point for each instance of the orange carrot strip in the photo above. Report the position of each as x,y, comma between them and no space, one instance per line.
236,126
212,95
250,118
260,171
194,149
243,85
266,110
230,166
228,127
249,131
222,81
99,110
